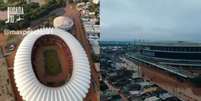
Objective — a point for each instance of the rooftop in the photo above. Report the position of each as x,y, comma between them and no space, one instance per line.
170,43
177,71
63,22
26,81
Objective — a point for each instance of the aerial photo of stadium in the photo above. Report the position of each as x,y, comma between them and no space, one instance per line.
37,63
54,58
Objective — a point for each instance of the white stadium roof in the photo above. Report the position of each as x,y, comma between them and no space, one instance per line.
30,87
63,22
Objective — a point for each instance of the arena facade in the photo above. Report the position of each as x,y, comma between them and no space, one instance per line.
36,81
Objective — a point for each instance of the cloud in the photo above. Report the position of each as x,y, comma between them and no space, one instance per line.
151,20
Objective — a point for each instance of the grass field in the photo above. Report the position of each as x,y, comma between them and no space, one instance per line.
52,63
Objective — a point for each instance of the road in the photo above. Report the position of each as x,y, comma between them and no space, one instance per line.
112,88
79,33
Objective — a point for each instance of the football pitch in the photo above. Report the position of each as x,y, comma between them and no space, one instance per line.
52,63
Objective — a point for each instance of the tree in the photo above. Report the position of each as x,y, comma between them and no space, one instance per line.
196,81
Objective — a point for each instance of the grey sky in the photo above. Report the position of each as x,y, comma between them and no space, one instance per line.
151,20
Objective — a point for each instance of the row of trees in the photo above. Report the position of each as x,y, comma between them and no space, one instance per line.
196,81
33,11
9,3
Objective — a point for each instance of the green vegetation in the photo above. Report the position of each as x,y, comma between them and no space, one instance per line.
103,86
196,81
52,64
94,8
33,11
2,5
95,58
85,1
14,26
8,3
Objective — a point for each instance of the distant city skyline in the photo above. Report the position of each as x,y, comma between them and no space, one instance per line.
155,20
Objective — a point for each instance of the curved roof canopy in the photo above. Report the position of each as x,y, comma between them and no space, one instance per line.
63,22
30,87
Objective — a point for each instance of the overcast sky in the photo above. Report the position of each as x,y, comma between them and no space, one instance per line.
151,20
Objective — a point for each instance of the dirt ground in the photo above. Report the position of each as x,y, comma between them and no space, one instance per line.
6,92
2,39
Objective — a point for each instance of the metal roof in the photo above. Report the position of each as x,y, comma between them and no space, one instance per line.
30,87
162,67
170,44
63,22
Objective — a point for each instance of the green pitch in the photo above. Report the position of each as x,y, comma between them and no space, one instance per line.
52,64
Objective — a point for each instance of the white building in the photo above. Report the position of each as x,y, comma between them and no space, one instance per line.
28,85
63,22
96,1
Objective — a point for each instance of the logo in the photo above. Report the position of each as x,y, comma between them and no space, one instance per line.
14,14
